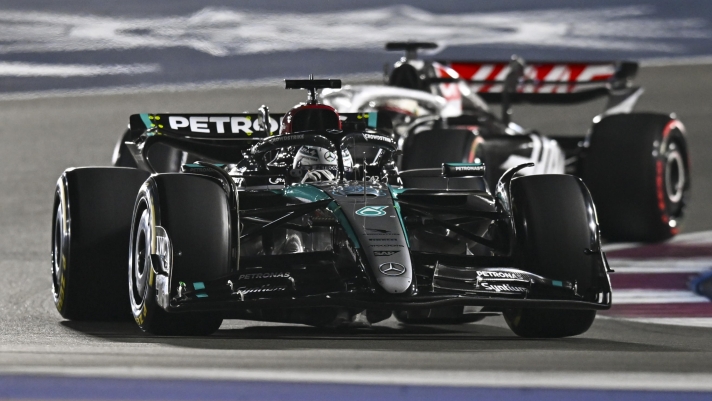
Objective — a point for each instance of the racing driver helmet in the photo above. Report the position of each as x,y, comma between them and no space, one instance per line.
316,163
321,162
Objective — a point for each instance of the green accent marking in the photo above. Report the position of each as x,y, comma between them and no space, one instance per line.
305,191
193,165
396,191
372,211
201,295
373,119
341,218
557,283
394,195
400,219
199,286
145,119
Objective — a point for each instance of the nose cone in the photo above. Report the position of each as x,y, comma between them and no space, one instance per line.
378,228
394,277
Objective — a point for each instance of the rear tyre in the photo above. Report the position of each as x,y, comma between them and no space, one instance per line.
91,227
637,168
554,223
193,211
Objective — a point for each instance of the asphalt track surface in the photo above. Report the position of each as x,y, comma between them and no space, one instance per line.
42,137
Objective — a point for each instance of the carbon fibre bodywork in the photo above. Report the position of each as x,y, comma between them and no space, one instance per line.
379,261
417,249
316,249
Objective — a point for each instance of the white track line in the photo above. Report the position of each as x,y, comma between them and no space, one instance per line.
19,69
660,266
456,378
621,297
223,31
675,321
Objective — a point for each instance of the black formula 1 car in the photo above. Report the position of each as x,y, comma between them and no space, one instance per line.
249,234
635,164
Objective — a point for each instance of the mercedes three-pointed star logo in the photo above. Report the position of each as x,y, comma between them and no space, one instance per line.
392,269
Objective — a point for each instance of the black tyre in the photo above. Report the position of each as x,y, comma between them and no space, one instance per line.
449,315
428,149
91,227
193,211
637,168
549,323
555,223
163,158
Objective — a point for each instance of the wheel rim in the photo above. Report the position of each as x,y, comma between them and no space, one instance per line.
674,174
140,263
58,241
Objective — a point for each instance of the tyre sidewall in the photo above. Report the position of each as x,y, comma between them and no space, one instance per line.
144,311
173,201
60,254
624,165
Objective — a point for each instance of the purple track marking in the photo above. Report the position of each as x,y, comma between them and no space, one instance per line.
661,310
64,388
652,282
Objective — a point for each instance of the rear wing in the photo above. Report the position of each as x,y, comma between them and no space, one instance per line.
206,126
246,126
220,137
542,82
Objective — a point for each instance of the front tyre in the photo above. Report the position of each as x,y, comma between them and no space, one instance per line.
449,315
549,323
192,210
556,231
